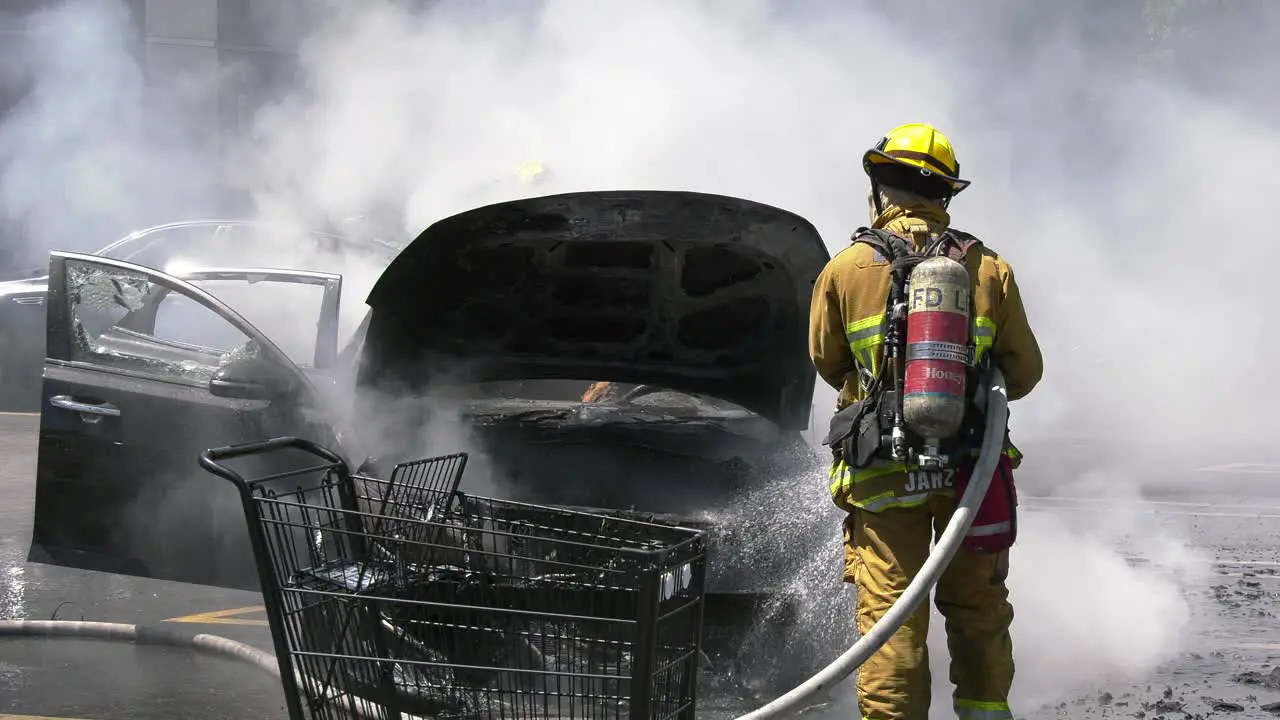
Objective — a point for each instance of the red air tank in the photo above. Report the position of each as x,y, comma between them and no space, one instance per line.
933,393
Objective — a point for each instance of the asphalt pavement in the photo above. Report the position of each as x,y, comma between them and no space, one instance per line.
1227,663
62,678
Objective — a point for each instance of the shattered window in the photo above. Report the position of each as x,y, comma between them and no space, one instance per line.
116,321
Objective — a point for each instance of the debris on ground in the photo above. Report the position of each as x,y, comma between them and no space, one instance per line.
1163,705
1222,705
1268,680
1244,595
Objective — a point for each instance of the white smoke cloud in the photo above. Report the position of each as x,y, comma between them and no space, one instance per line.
83,160
1126,204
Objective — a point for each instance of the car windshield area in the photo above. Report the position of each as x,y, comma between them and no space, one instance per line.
181,246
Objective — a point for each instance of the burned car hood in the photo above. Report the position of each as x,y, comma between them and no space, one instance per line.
695,292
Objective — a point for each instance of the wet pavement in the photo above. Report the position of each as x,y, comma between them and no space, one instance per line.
64,678
1226,662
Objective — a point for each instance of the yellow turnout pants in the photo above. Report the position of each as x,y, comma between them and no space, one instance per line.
883,552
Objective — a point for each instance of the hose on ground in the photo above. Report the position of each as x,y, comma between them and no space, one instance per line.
166,637
997,415
143,635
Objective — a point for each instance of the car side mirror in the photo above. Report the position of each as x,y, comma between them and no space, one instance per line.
250,378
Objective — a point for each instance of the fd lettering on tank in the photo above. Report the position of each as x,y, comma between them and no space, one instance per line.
937,354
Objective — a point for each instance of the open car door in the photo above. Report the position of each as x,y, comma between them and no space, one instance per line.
144,371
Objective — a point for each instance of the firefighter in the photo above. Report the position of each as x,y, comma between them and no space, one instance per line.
890,523
534,174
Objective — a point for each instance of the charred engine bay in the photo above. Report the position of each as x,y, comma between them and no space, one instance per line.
669,456
637,458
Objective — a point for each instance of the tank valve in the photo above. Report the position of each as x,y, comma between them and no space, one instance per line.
931,458
898,442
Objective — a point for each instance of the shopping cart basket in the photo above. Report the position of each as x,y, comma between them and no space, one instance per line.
405,598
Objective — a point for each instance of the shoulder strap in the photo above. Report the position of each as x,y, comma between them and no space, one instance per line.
956,244
888,245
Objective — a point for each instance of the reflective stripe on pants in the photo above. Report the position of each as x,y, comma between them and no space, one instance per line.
982,710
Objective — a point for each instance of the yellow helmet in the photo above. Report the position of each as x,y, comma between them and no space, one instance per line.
919,146
533,173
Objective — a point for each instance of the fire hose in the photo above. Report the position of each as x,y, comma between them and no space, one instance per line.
997,414
165,637
142,635
839,669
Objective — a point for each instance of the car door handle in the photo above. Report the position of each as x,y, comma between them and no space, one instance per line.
66,402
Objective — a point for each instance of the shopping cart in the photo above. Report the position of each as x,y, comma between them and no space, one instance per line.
405,598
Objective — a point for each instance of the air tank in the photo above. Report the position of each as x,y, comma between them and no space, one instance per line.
937,338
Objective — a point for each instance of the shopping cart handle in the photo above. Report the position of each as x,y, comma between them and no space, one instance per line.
209,459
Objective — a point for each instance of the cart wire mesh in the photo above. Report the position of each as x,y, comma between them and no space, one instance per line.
404,598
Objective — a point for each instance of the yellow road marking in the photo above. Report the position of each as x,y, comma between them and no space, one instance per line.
220,617
1252,468
1237,564
1153,511
1115,502
36,717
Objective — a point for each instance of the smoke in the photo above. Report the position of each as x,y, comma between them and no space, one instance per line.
1102,599
395,424
1115,165
83,160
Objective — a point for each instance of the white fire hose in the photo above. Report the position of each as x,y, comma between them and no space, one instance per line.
199,642
917,591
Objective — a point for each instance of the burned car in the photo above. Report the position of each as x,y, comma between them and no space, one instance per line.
484,332
169,247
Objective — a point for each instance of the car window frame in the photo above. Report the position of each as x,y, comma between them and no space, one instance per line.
325,353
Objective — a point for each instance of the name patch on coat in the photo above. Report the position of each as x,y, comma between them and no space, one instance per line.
918,481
